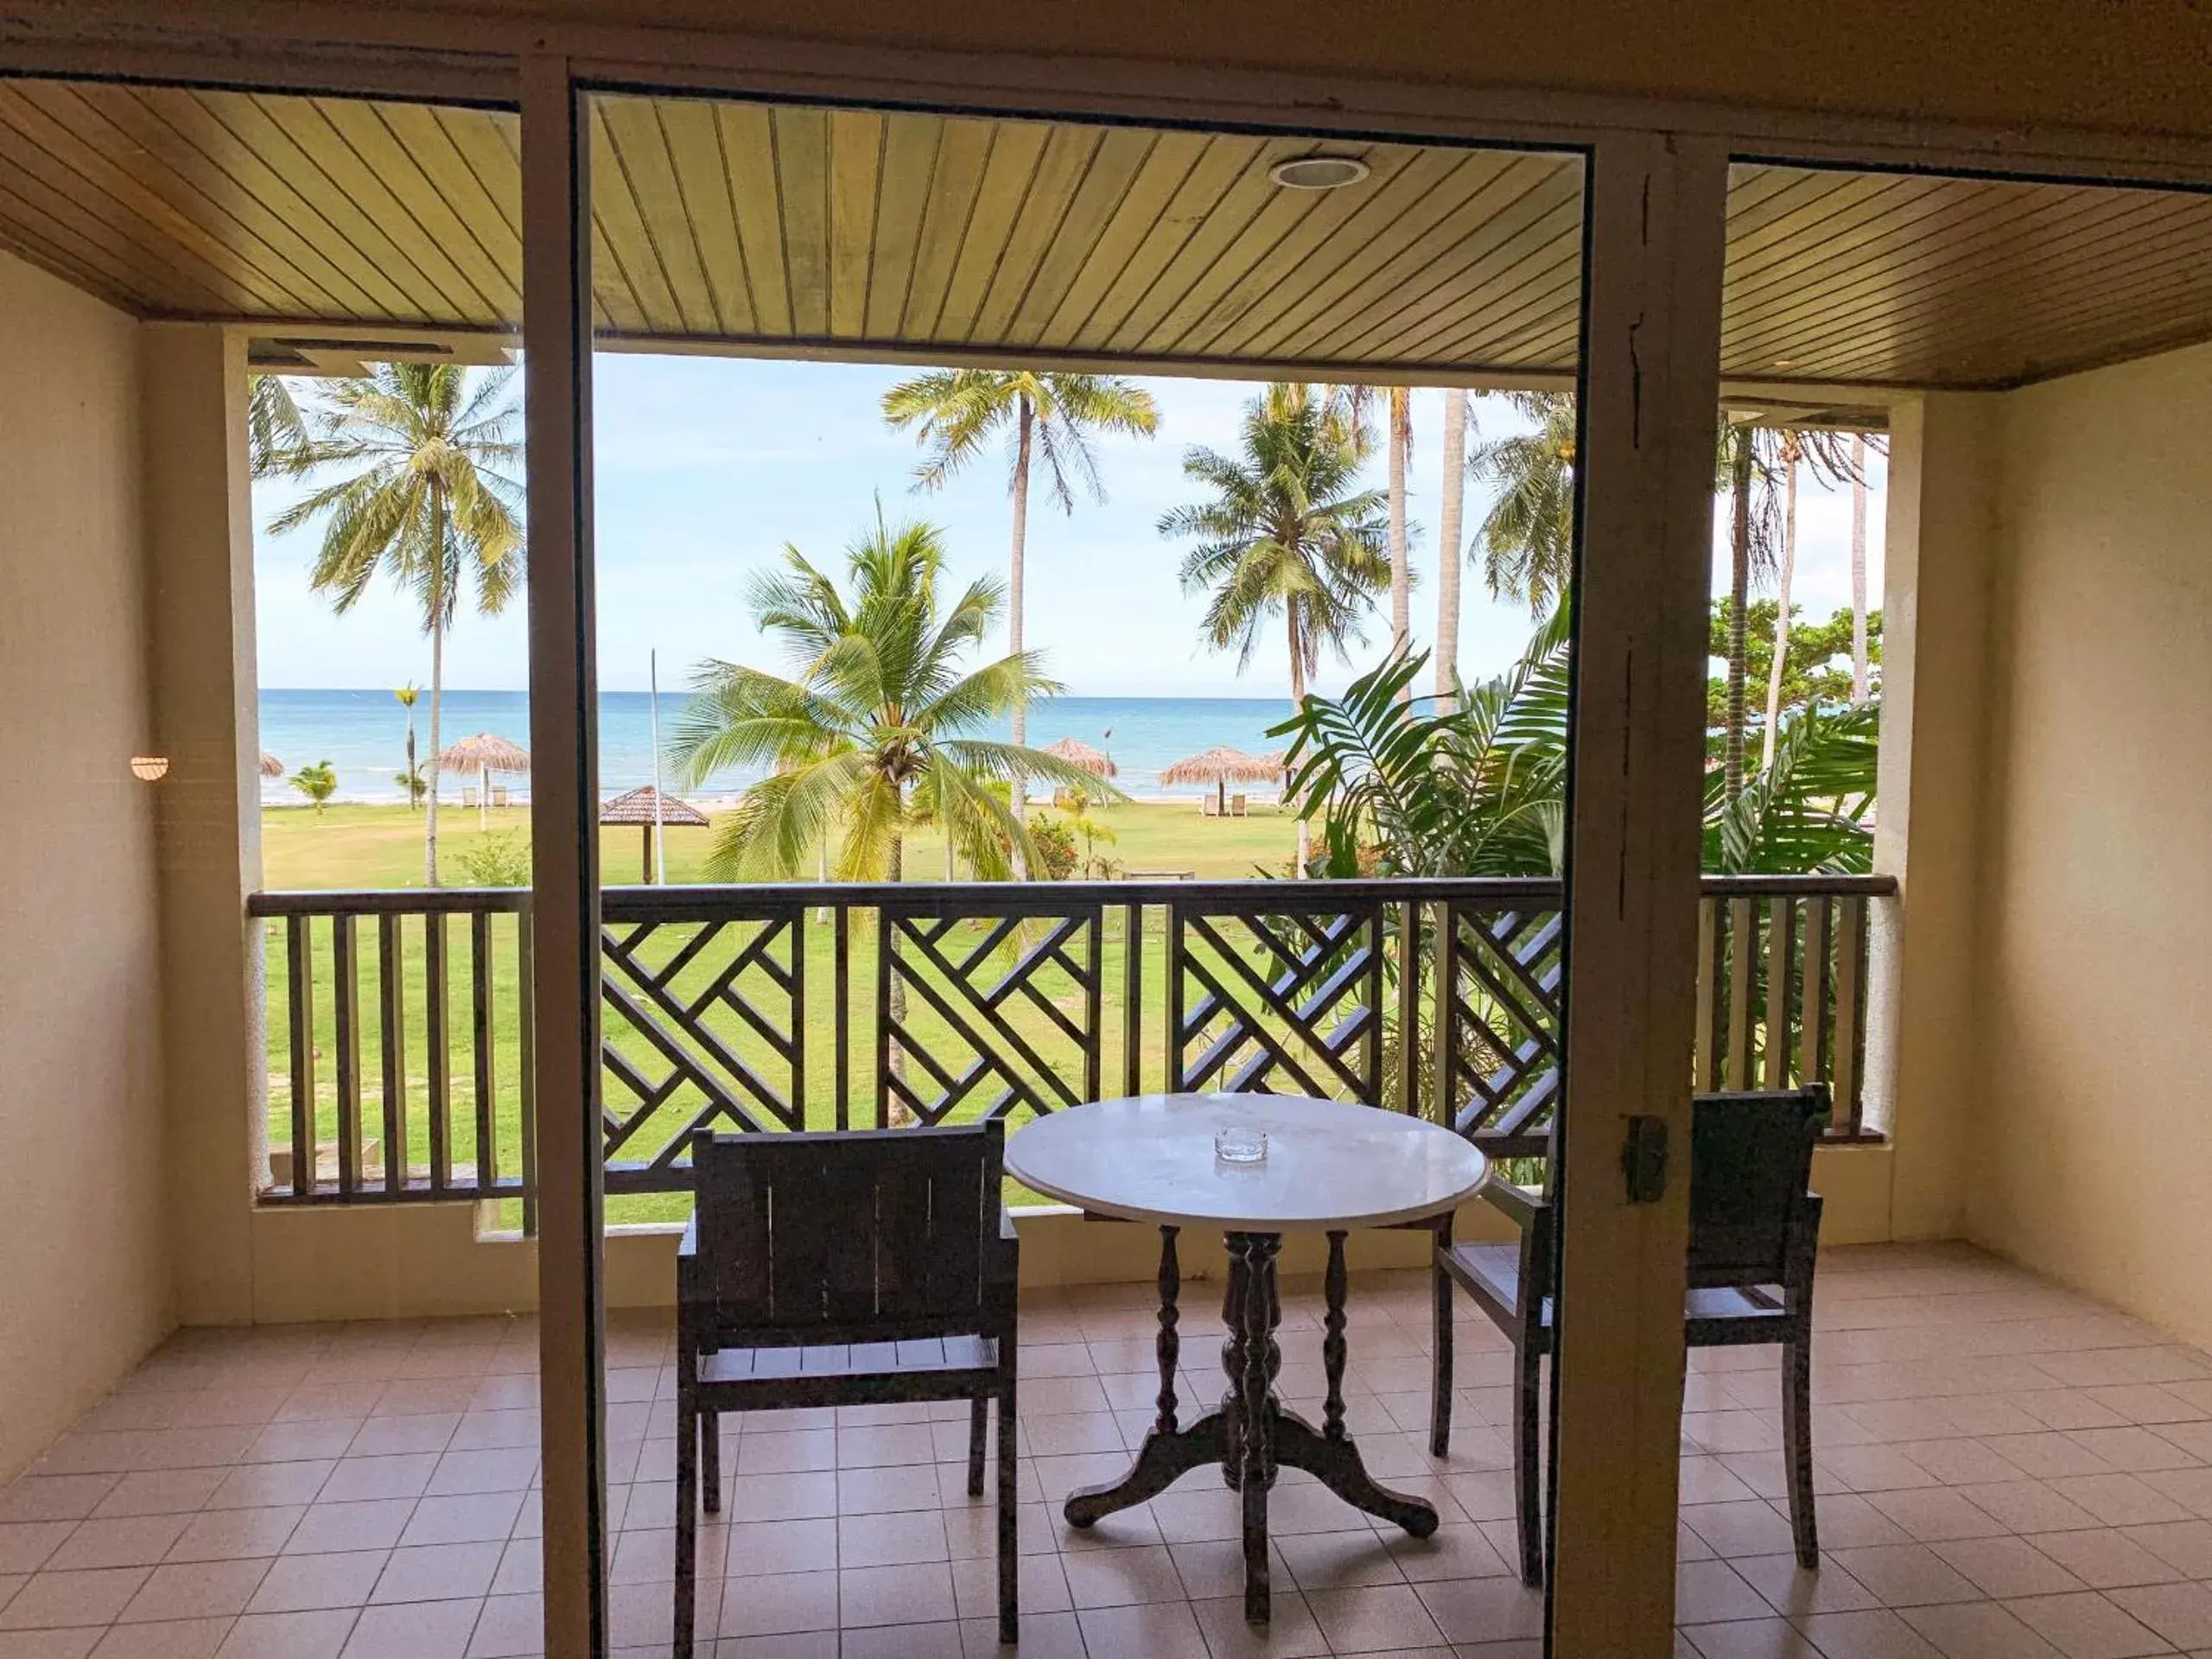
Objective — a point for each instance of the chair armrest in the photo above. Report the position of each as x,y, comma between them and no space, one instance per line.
1002,1254
1520,1207
687,1259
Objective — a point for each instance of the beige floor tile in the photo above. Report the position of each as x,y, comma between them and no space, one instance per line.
1906,1575
1155,1630
416,1630
2180,1612
1754,1638
49,1601
2006,1567
289,1635
1483,1610
898,1538
26,1546
1290,1633
48,1644
478,1517
2086,1625
326,1529
446,1573
167,1491
193,1590
775,1603
1043,1635
509,1627
1878,1634
1791,1590
1979,1630
1710,1591
186,1638
55,1497
309,1583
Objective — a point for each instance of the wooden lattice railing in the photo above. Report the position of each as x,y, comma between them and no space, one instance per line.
398,1029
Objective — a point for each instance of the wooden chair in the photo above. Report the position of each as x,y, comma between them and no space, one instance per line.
844,1269
1754,1228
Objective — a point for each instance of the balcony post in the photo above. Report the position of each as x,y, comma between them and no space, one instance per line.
565,841
1643,551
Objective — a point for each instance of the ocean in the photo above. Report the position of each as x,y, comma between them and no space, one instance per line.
363,736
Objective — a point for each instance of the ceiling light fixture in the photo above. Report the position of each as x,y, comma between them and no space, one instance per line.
1319,171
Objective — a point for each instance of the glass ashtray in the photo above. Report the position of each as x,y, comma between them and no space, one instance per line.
1239,1144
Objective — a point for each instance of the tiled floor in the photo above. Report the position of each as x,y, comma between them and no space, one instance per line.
2008,1470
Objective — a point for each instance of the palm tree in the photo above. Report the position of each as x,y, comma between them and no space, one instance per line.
411,779
275,431
1400,455
1287,535
1353,403
1449,513
1793,452
1528,536
1052,417
1858,567
318,782
877,712
427,497
1753,466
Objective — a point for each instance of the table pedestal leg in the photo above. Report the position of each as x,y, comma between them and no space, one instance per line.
1251,1435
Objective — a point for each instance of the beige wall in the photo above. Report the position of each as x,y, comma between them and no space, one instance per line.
84,1281
1923,1083
2096,951
200,547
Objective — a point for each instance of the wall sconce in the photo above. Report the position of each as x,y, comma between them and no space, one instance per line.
149,768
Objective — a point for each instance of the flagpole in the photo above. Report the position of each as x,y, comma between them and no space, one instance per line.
660,833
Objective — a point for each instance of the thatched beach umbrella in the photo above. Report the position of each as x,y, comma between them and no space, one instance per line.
637,807
485,754
1221,767
1076,753
270,766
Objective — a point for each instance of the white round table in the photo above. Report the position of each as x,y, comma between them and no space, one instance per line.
1329,1167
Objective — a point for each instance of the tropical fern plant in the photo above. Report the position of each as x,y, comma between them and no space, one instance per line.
1468,784
1476,784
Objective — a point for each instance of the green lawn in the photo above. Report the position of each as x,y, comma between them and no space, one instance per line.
361,847
382,846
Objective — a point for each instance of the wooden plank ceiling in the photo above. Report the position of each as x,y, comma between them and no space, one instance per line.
734,225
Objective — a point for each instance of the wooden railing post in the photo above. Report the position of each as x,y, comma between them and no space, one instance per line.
299,965
345,1006
392,1028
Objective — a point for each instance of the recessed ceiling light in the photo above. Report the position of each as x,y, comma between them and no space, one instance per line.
1319,171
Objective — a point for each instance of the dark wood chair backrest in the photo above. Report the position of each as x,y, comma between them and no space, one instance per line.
1750,1164
842,1238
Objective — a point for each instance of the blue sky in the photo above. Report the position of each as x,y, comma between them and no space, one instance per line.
706,467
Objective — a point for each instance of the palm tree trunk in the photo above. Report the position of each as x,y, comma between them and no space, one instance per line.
431,799
1449,512
1402,443
895,870
1297,696
1015,572
1858,567
1781,617
1740,595
437,677
412,804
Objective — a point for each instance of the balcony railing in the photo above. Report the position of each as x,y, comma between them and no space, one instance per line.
399,1029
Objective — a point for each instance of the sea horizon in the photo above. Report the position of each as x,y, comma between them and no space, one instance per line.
361,731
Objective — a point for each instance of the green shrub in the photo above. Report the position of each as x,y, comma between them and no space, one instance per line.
497,860
1055,845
